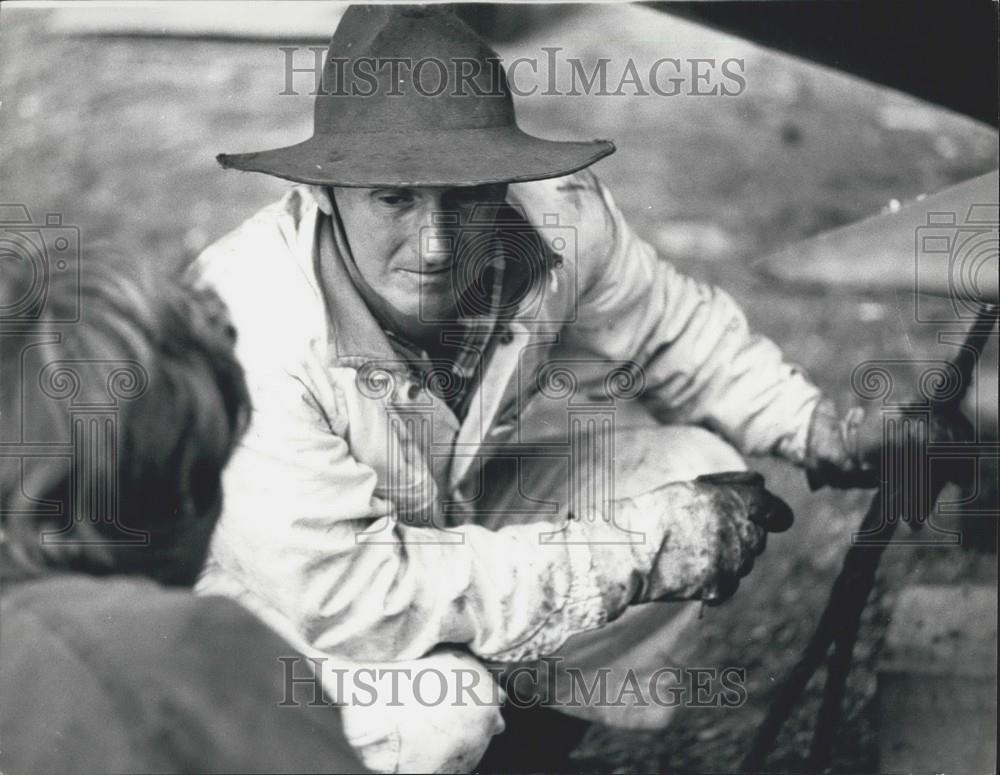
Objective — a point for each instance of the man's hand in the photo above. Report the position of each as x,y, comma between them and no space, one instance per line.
699,539
846,452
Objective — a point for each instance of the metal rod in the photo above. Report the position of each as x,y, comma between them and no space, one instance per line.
841,618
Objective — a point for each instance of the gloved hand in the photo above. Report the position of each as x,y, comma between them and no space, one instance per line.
699,539
846,452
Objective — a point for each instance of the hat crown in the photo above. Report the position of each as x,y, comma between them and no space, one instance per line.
409,68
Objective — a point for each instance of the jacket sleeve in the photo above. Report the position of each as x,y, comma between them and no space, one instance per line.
700,361
296,505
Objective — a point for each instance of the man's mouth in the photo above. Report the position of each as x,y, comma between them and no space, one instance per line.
429,272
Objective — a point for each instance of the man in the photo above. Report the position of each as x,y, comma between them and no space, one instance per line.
108,662
483,406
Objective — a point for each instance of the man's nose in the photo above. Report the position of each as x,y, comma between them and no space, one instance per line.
438,235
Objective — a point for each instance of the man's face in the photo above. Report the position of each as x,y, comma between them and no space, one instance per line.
405,254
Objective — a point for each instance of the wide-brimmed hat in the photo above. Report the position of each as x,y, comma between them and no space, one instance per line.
410,95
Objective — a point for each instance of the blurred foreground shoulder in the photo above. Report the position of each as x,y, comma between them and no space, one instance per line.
122,674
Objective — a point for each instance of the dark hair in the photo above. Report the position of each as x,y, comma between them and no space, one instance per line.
158,355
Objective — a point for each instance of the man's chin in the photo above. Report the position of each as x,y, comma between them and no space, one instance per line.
432,314
424,311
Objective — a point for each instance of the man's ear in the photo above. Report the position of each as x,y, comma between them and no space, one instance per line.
324,198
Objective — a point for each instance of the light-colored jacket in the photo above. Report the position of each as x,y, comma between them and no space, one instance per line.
332,502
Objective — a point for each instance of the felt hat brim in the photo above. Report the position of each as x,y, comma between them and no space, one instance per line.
455,157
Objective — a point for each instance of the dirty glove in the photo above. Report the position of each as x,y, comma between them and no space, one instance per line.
846,452
698,539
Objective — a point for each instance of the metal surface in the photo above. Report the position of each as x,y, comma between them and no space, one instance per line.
944,244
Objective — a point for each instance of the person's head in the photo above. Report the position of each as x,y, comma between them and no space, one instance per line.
140,402
414,114
418,249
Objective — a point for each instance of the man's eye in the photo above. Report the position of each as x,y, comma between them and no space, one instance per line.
395,200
